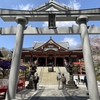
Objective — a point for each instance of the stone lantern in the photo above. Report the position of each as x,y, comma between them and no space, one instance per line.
71,84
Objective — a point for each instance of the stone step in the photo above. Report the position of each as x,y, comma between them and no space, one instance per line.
49,78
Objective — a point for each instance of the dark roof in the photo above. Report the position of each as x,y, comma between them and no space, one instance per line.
75,49
62,44
38,44
28,49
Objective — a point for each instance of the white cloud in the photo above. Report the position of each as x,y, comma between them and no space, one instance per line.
23,7
38,41
72,41
61,24
65,23
72,4
45,24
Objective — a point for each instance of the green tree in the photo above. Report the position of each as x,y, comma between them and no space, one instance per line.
6,52
75,69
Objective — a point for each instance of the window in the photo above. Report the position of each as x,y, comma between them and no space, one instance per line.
73,59
27,59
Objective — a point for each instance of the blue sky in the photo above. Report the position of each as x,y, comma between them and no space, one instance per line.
7,41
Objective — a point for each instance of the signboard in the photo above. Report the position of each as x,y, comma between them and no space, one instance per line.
46,49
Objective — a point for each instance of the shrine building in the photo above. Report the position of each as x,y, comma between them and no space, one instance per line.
51,52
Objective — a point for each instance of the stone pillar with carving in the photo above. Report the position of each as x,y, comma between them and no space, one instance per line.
90,71
15,65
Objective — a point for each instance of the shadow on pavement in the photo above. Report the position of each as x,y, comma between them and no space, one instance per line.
37,95
76,94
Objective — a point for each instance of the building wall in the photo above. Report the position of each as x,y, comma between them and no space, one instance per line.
56,57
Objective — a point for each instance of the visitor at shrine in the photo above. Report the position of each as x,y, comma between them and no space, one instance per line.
85,81
63,79
36,80
59,80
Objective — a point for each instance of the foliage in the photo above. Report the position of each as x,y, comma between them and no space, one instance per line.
97,71
27,70
94,44
6,73
95,47
6,52
75,69
24,73
1,75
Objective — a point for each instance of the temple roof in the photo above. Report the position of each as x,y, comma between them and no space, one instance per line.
64,45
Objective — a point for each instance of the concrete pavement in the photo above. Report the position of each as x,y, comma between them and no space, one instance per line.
51,92
50,89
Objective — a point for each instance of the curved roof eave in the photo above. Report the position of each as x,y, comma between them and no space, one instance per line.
28,49
44,43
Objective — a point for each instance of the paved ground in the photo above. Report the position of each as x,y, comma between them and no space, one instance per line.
50,92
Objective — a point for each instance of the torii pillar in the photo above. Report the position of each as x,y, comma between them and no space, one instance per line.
90,71
15,65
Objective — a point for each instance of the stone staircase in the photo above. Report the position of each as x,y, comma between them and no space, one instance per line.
49,78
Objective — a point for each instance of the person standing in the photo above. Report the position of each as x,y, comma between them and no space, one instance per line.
63,79
59,79
36,80
85,81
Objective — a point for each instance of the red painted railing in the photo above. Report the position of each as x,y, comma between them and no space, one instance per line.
78,63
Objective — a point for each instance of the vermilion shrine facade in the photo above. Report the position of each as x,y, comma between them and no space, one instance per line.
51,52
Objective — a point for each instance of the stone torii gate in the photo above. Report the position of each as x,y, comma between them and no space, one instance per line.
42,13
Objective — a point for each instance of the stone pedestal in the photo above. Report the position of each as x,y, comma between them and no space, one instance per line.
50,69
30,85
71,85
